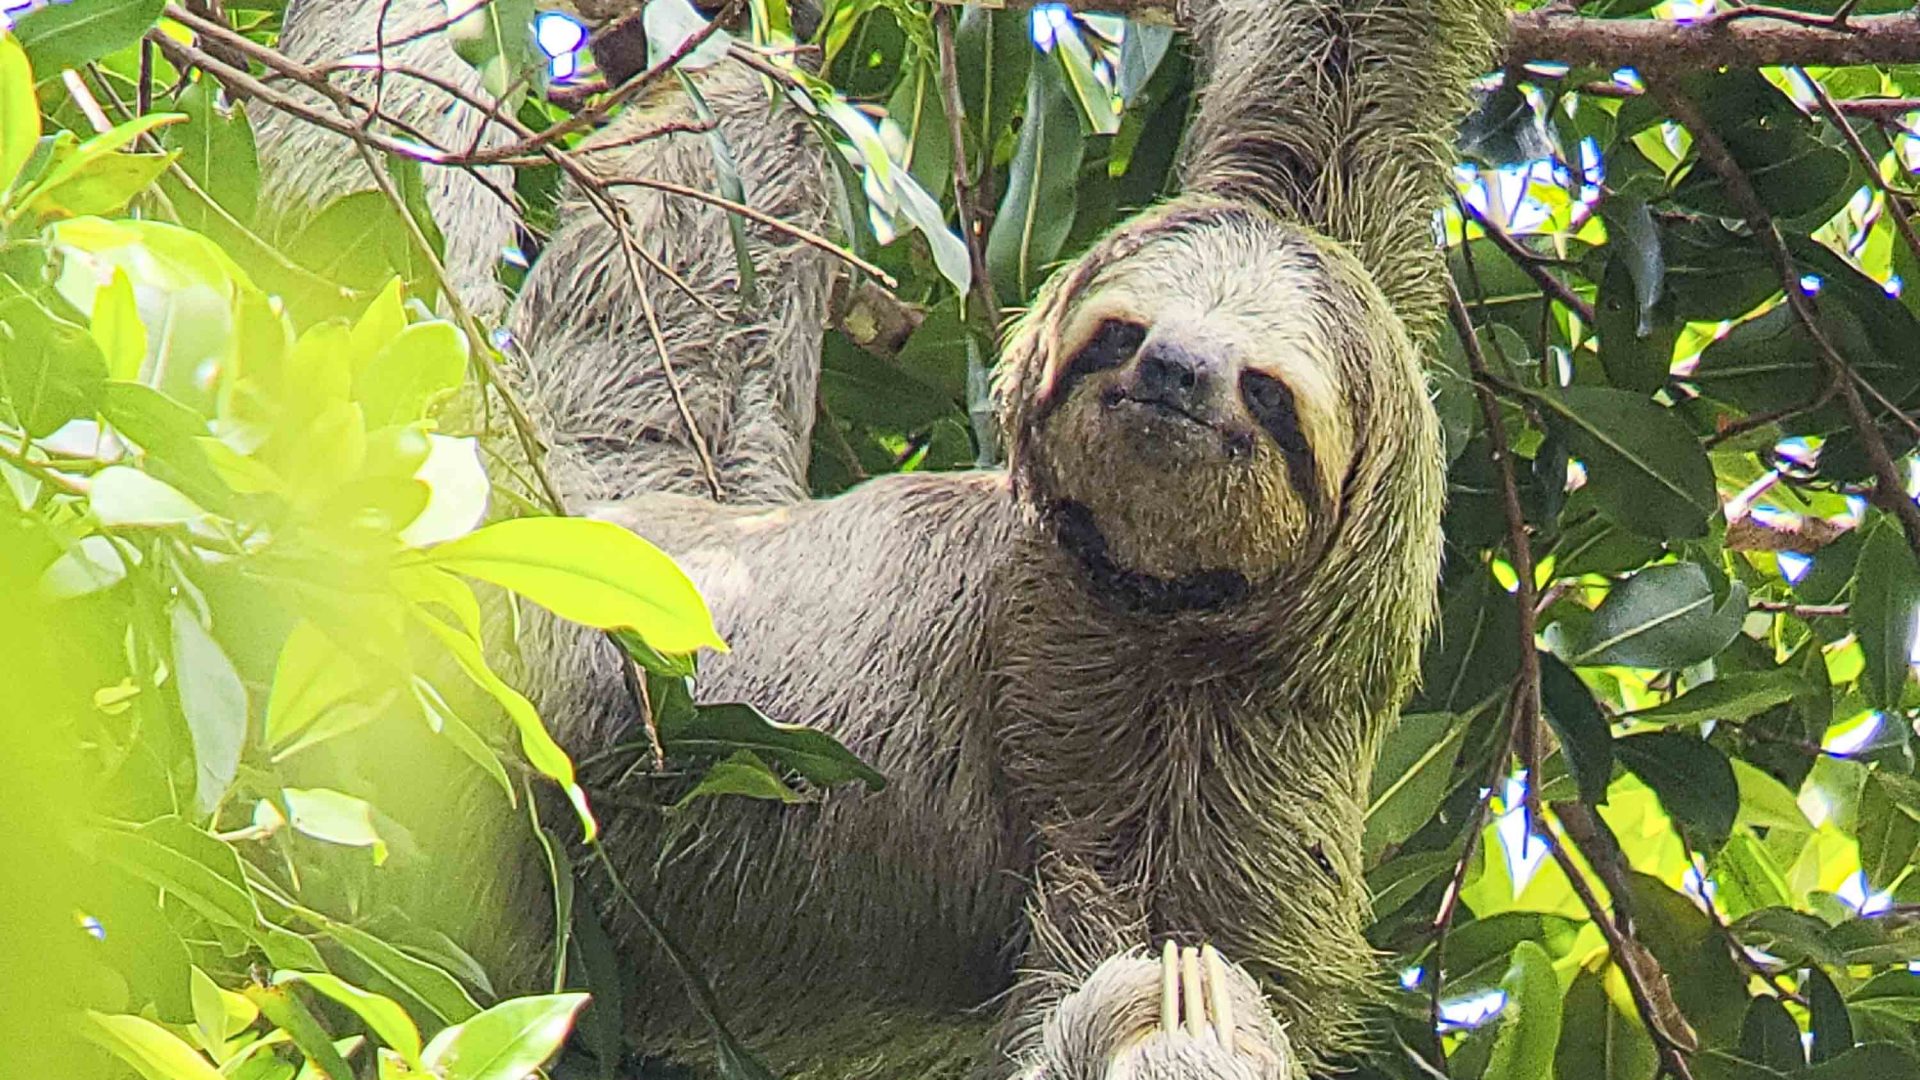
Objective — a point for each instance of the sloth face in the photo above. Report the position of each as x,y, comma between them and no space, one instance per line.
1196,411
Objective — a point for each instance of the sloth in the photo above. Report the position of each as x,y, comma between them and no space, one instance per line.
1127,689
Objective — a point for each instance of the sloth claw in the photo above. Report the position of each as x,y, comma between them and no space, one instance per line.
1193,986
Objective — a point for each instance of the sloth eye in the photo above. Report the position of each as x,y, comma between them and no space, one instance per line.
1272,405
1110,346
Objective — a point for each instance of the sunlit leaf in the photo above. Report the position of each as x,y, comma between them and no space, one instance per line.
1886,592
68,35
157,1053
743,774
383,1016
19,112
1529,1028
335,818
507,1041
592,572
214,703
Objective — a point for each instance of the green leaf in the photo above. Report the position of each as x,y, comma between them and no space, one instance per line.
290,1014
1636,345
117,329
536,742
441,718
1586,739
1598,1041
1662,617
312,676
335,818
1644,466
383,1016
717,730
216,150
124,496
158,1054
950,255
72,34
1730,698
1411,778
1475,653
214,703
592,572
1529,1031
422,362
105,186
1769,1037
507,1041
497,39
357,240
1695,782
436,991
1888,832
1765,802
1886,590
19,113
1870,1061
51,370
743,774
218,1015
1831,1026
1036,212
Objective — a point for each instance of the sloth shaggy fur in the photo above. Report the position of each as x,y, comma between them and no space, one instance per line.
1126,690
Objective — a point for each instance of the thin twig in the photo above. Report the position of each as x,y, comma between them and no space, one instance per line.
1532,264
983,292
1673,1037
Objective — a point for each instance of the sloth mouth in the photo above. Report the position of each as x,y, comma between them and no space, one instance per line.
1117,397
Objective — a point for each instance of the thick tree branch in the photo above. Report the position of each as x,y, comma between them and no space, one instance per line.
1757,37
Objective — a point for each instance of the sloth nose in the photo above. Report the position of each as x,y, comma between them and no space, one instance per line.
1171,374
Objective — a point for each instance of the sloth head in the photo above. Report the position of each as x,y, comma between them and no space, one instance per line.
1200,403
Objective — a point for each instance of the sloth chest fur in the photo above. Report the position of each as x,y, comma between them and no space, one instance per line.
1004,728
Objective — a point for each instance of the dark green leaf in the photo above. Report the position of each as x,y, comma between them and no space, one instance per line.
1476,650
1871,1061
741,773
1412,776
1692,777
1597,1041
1663,617
1636,346
217,153
1888,833
1886,589
1529,1029
1585,736
1730,698
1770,1038
1832,1028
1036,213
721,730
1644,466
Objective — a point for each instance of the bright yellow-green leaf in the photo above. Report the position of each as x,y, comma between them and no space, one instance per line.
383,321
312,675
122,495
336,818
117,328
105,186
218,1014
383,1015
19,112
1766,802
507,1041
593,572
542,752
424,361
157,1053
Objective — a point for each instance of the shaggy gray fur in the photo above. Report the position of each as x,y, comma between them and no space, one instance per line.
303,168
1072,778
